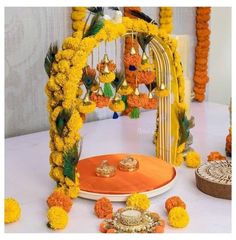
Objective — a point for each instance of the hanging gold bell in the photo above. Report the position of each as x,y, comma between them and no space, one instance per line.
150,96
106,69
105,58
117,97
136,91
124,84
100,92
132,51
144,57
162,86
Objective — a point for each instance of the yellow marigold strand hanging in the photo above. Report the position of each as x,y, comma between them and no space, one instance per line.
166,18
77,16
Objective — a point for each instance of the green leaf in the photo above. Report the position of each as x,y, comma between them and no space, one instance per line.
71,159
96,25
50,58
61,121
184,127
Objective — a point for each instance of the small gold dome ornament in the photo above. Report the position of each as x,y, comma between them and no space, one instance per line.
105,58
117,97
150,95
136,92
105,169
86,98
132,51
124,84
144,58
162,86
100,91
106,69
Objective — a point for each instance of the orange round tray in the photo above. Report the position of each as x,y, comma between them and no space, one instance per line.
153,173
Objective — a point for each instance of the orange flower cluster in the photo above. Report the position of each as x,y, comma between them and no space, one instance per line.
103,208
215,156
201,52
111,66
174,201
146,77
137,100
151,103
100,100
228,144
89,71
59,199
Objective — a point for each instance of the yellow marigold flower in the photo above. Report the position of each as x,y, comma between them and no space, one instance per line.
162,93
12,210
138,200
67,54
193,159
55,113
78,34
73,192
58,95
57,158
146,67
87,107
75,122
78,15
178,160
178,217
57,174
63,66
59,144
107,77
57,218
117,105
127,90
70,183
181,148
71,43
79,92
52,85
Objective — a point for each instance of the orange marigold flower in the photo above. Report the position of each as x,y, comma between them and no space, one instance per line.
146,77
137,100
174,201
130,59
101,101
215,156
111,66
103,207
59,199
151,103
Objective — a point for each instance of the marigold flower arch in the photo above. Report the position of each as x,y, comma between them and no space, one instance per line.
63,96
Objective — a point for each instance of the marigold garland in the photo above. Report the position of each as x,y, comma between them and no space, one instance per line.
178,160
166,18
87,107
57,218
174,201
103,207
201,52
151,103
107,77
12,210
59,199
117,105
77,16
100,100
193,159
138,200
178,217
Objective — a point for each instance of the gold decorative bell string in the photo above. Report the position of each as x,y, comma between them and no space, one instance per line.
106,69
132,51
105,58
124,84
136,92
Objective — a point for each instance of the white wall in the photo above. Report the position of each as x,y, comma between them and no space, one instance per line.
219,87
29,32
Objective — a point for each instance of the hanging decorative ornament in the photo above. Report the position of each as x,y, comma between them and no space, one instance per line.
116,104
89,77
151,103
87,106
99,98
125,89
132,51
162,91
146,73
106,70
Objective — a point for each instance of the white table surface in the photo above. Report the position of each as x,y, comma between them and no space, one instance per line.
27,168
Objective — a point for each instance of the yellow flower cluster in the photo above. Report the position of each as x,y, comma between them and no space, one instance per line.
178,160
178,217
166,18
193,159
12,211
77,16
117,105
87,107
181,148
57,218
125,90
107,77
162,93
138,200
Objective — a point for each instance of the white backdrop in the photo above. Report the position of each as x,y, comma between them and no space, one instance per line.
29,32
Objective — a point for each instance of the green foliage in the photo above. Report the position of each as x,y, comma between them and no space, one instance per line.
61,121
50,58
184,127
135,113
107,90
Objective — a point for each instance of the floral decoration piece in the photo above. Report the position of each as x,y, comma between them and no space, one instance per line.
178,160
138,200
77,16
12,210
178,217
201,52
166,19
174,201
100,100
103,207
193,159
57,218
59,199
215,156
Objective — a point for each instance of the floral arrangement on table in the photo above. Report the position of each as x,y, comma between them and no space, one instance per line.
136,217
201,52
68,69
